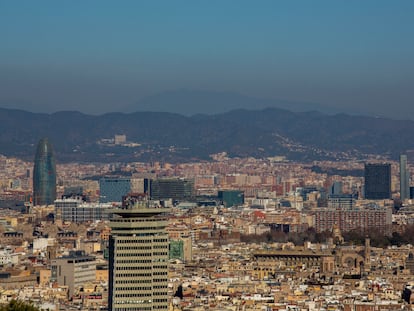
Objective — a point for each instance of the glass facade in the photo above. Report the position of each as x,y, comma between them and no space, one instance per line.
176,189
231,197
113,189
44,174
377,181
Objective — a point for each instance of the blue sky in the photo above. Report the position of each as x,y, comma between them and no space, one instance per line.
100,56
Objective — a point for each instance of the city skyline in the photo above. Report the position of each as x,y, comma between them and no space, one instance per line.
352,57
251,223
214,155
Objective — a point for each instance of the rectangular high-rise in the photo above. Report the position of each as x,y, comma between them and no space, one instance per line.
404,179
138,258
377,181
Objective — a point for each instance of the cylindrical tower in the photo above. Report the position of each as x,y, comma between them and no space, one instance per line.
44,174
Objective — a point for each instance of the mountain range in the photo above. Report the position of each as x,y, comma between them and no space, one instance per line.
189,102
162,136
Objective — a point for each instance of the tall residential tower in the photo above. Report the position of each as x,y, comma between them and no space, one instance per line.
44,174
138,258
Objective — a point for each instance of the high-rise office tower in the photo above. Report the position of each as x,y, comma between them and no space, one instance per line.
377,181
44,174
404,178
138,258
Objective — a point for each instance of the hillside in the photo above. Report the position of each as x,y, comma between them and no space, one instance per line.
174,137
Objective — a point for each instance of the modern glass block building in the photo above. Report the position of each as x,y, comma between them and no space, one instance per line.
44,174
172,188
377,181
113,189
231,197
138,258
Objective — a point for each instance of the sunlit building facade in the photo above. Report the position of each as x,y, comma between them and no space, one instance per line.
138,259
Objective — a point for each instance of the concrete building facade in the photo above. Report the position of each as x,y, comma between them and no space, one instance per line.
138,259
74,270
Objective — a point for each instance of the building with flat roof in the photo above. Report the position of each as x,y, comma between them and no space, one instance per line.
377,181
76,210
138,258
345,201
74,270
231,197
172,188
353,219
113,189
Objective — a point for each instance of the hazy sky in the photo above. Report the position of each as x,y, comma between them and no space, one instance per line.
100,56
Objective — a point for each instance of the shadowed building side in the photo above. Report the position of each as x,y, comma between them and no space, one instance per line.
44,174
377,181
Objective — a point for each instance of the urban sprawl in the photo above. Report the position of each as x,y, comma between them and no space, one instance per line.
225,234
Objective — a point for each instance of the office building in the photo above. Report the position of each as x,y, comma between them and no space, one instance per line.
77,211
404,179
138,258
44,174
231,197
113,189
74,270
172,188
344,201
378,181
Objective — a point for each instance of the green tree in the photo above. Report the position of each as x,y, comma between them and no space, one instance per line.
18,305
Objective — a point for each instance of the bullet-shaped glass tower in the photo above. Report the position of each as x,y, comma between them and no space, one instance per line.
138,258
44,174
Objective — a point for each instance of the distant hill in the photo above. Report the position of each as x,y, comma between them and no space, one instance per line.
191,102
174,137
